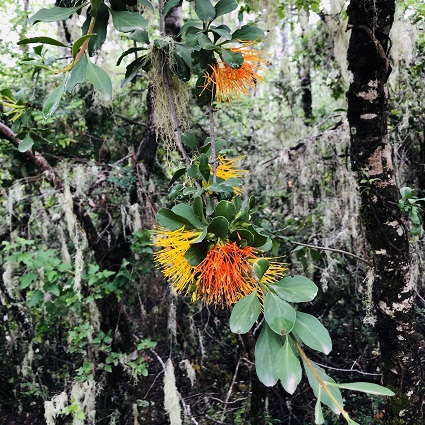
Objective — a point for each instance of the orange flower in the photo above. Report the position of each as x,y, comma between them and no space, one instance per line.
228,83
226,274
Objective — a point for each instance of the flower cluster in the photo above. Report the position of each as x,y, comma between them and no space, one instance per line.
223,277
228,83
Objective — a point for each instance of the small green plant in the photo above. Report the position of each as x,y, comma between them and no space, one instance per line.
366,182
410,204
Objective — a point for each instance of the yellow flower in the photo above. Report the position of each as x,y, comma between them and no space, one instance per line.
228,84
170,259
226,169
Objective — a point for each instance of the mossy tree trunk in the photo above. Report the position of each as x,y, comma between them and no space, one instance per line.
370,22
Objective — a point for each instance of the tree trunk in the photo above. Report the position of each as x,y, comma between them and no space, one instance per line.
372,160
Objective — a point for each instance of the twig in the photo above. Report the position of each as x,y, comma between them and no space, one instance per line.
339,251
213,159
229,393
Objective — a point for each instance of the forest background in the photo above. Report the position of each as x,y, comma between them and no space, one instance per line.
91,332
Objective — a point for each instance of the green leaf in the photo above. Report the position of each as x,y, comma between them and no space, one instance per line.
52,288
318,392
219,226
312,333
130,51
95,4
226,209
100,80
245,313
128,21
266,350
233,59
248,33
54,14
187,212
26,144
205,43
147,3
205,10
189,140
184,53
53,100
279,315
198,207
78,74
366,387
225,6
43,40
260,267
196,253
221,32
297,289
168,219
180,172
318,412
100,29
27,279
36,297
242,234
180,68
140,36
204,166
259,239
169,5
288,367
79,42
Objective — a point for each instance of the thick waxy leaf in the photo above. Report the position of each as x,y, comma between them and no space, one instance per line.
225,6
129,52
170,220
196,253
169,5
222,32
54,14
198,208
295,289
219,226
259,239
320,393
43,40
318,412
366,387
248,33
266,349
233,59
205,43
78,43
128,21
95,4
53,100
279,315
288,367
78,74
205,10
184,53
100,80
26,144
99,31
204,167
226,209
180,68
147,3
260,267
245,313
242,234
312,333
187,212
140,36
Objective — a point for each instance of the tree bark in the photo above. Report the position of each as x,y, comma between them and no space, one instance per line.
372,159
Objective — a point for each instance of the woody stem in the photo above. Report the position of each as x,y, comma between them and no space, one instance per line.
213,159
